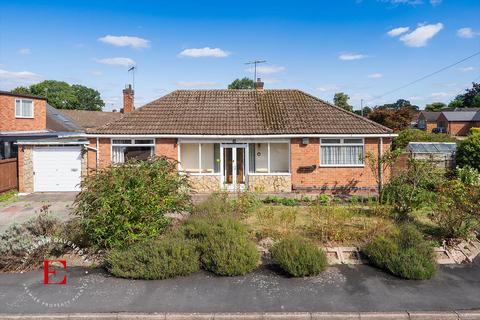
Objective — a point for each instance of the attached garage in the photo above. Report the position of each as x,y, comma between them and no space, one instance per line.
51,165
57,168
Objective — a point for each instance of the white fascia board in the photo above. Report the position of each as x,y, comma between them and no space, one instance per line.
266,136
38,143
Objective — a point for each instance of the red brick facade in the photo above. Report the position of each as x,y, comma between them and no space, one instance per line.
167,147
456,128
11,123
331,179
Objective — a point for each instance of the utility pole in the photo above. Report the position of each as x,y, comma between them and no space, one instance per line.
361,107
255,62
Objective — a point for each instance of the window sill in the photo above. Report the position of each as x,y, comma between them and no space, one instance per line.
18,117
341,166
270,174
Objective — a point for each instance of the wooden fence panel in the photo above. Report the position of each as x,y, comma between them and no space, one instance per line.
8,174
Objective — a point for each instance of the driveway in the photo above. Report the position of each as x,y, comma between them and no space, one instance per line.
343,288
29,206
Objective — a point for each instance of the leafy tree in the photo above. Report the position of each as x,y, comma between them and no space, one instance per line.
396,119
435,106
399,104
366,111
341,100
244,83
416,135
468,152
61,95
470,99
380,165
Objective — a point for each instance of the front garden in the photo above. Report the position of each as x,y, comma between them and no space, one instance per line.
137,219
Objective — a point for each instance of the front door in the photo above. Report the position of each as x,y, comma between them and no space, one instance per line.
234,167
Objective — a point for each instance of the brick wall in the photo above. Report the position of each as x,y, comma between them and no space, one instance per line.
10,123
167,147
331,178
431,126
104,152
459,128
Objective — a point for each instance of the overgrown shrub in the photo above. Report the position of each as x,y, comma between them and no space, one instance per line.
413,188
457,212
154,259
126,203
416,135
18,244
299,257
468,152
404,253
220,204
224,246
468,175
276,221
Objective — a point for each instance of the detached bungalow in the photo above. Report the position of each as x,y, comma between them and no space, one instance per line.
264,140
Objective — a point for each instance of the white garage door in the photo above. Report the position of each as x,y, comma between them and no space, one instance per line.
57,168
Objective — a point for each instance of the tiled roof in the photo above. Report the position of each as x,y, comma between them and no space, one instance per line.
90,119
462,116
240,112
431,116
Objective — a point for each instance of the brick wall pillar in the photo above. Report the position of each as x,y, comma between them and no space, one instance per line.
167,147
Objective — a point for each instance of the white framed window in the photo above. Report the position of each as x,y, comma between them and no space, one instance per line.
200,158
132,149
269,158
23,108
342,152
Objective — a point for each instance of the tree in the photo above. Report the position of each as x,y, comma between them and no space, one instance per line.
468,152
380,165
394,119
244,83
341,100
61,95
435,106
470,99
399,104
365,113
416,135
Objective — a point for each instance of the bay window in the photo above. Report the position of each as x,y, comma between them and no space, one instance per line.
132,149
341,152
269,157
200,157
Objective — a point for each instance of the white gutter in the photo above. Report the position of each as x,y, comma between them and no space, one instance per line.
51,143
379,135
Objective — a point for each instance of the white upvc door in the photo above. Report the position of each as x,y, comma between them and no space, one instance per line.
234,161
57,168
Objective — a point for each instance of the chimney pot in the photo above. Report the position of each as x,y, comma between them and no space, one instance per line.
128,99
258,85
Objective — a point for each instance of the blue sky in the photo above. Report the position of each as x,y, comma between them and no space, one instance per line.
362,47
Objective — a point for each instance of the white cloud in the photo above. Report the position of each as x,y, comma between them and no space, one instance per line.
96,73
271,80
421,35
467,33
412,2
12,79
398,31
328,87
24,51
351,56
375,75
204,52
267,69
435,2
467,69
118,61
441,95
195,84
125,41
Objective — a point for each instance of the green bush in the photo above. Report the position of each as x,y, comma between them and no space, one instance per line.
299,257
474,130
403,253
468,175
224,246
414,135
322,199
219,204
18,241
468,152
282,201
154,259
413,188
126,203
457,211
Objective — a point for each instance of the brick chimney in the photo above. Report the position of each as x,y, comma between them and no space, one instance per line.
128,100
258,85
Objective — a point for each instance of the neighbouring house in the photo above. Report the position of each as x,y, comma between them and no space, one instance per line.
49,144
459,123
427,120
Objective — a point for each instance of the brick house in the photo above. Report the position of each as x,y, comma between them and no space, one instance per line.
459,123
427,120
264,140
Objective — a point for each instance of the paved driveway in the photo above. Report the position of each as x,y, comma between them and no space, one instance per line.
30,206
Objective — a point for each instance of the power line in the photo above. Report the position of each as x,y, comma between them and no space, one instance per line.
425,77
